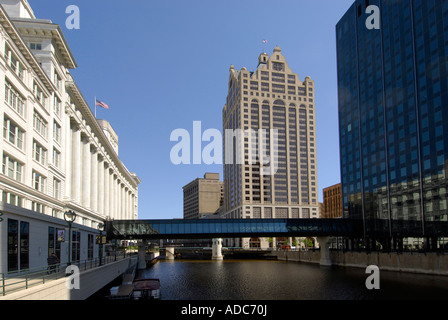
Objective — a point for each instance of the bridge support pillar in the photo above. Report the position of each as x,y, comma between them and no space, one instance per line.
169,253
217,249
324,246
141,255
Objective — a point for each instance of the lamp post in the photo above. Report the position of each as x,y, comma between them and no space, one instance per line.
70,217
100,228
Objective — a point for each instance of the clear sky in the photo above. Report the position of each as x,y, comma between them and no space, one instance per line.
160,65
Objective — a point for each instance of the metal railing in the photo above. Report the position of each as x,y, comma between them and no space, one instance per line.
24,279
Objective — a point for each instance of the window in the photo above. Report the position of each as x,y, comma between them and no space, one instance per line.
38,93
278,88
14,63
76,245
35,46
24,245
39,153
18,245
57,106
56,188
13,133
278,77
38,182
54,246
277,66
13,244
37,207
90,246
57,132
56,158
12,199
12,168
40,125
14,99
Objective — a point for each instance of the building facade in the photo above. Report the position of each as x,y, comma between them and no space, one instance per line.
55,155
393,98
271,99
332,205
203,197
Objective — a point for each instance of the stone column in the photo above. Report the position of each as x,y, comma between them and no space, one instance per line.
67,158
118,208
94,179
112,196
117,198
132,206
101,186
86,164
106,189
76,164
131,216
126,202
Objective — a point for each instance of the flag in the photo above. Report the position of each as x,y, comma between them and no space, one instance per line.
101,104
265,41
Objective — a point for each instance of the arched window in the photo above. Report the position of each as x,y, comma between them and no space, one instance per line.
279,103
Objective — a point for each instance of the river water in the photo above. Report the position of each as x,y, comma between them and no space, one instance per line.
280,280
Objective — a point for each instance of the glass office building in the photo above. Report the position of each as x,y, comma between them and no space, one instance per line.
393,115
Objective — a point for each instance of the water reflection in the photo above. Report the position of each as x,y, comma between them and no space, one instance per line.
279,280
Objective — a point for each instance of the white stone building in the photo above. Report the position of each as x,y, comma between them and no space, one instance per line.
56,156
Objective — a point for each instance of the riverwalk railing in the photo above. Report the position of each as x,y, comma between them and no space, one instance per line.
25,279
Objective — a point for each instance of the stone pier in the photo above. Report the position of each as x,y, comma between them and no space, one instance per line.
169,253
217,249
324,246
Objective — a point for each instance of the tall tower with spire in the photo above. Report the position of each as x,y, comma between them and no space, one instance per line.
272,98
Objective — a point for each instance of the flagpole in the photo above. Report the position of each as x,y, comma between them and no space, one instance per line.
95,107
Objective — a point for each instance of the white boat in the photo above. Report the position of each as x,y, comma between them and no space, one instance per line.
146,289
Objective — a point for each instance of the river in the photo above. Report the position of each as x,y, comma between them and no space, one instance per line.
280,280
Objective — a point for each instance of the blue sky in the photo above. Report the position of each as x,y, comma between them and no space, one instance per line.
151,60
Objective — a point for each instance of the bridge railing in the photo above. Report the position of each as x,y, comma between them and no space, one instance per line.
24,279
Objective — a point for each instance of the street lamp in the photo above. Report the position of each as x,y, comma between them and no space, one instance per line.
100,228
70,217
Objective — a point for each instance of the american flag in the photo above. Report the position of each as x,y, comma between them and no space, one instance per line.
101,104
265,41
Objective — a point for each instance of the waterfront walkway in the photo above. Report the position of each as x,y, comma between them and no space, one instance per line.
32,282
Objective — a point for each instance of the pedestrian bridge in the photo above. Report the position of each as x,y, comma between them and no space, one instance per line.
230,228
217,229
241,228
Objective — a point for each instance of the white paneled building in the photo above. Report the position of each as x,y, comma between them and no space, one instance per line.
56,156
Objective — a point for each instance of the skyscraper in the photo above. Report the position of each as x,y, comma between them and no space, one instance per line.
271,98
203,197
332,205
393,114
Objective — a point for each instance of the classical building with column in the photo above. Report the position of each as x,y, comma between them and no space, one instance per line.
56,156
